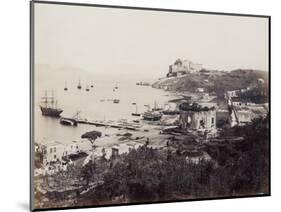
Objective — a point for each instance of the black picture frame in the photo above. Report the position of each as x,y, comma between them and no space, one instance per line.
32,52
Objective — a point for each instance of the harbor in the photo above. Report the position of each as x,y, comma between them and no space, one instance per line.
96,109
157,107
82,127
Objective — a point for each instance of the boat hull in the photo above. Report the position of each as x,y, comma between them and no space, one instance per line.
68,122
136,114
53,112
150,116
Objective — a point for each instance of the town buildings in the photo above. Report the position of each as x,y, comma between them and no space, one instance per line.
57,151
53,152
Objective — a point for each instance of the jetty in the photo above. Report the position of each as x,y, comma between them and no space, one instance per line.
126,126
106,124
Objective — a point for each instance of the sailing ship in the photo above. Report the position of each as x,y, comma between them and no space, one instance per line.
92,85
136,113
49,106
87,88
156,108
79,85
116,86
65,86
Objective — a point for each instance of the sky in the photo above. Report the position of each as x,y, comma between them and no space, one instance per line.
137,42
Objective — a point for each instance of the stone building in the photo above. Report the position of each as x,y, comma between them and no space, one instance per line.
181,67
196,117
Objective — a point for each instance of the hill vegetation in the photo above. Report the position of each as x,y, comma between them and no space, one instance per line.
217,82
146,174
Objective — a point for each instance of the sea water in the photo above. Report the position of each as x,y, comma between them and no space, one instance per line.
94,105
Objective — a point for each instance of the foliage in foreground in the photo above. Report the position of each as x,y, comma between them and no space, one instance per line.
147,174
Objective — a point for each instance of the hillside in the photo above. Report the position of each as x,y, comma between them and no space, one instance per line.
217,82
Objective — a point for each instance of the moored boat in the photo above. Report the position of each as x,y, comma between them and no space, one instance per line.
116,101
65,87
79,85
116,86
136,113
68,122
170,112
49,106
152,116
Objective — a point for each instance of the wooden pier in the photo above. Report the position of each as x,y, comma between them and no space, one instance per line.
102,124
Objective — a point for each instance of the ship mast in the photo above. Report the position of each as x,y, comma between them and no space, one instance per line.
136,106
65,86
148,107
79,84
52,98
46,98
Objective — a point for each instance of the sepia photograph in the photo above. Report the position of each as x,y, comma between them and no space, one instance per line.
141,105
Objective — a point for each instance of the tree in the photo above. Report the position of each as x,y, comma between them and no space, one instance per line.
91,136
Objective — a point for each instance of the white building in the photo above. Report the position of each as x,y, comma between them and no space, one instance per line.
181,67
231,94
71,148
244,116
53,152
240,102
194,67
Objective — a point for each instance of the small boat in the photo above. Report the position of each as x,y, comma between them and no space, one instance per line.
87,88
79,85
143,83
92,85
152,116
116,101
65,87
170,112
68,122
136,113
116,86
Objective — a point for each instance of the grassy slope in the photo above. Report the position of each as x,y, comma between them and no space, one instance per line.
236,79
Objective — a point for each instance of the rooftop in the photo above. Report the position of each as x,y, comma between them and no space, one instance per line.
55,143
194,107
